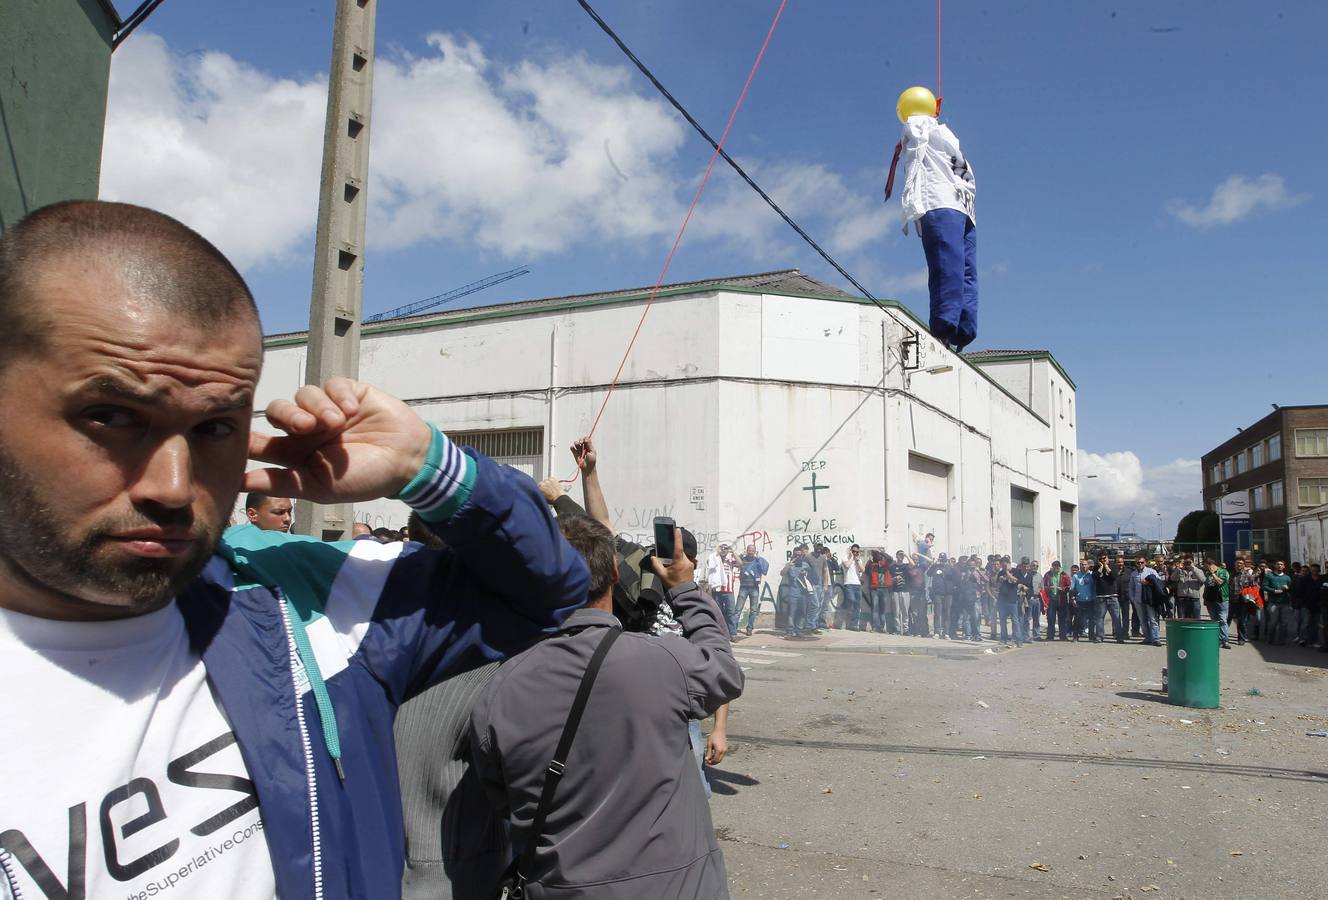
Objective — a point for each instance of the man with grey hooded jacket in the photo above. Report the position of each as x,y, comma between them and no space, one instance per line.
1187,580
629,817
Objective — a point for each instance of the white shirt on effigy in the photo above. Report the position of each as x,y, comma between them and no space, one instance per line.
936,175
115,742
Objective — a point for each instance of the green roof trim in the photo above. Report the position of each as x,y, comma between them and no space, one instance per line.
1036,354
481,314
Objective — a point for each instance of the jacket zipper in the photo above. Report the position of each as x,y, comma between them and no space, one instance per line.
308,755
11,879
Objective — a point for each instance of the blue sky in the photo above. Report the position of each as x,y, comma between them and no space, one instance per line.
1150,175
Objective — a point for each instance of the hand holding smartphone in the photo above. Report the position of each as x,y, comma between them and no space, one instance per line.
671,564
664,543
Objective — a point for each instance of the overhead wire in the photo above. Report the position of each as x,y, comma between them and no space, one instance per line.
132,21
700,129
681,229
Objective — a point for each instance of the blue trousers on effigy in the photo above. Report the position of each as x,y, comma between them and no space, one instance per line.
949,240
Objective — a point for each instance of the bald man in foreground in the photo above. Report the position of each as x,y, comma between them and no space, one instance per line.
205,713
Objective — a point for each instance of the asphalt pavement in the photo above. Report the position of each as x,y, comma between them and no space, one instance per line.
879,766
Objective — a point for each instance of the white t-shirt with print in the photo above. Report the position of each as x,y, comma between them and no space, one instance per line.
118,770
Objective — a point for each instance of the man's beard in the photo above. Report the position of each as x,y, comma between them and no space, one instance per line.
40,551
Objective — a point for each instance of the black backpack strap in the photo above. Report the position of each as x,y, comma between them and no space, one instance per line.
559,763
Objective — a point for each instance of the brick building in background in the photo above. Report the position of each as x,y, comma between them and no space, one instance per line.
1279,466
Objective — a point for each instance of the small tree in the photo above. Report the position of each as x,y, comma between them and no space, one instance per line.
1187,530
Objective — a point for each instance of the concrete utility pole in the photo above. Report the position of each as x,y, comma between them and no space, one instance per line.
338,293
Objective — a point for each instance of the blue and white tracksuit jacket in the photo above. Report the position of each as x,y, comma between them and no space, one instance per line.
353,629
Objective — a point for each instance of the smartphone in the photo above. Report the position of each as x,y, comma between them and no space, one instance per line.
664,548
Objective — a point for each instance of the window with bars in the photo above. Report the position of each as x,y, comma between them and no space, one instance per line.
520,448
1312,441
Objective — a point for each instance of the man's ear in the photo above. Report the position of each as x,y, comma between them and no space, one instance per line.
615,570
252,514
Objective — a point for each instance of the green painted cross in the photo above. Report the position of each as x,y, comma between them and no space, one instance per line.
814,487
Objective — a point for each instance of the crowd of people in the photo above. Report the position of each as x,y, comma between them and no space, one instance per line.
967,598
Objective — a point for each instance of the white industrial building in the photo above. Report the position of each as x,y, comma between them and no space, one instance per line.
770,405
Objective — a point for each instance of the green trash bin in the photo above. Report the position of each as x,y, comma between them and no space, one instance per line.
1192,662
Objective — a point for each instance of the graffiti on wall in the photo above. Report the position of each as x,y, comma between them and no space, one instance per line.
640,517
378,520
707,541
813,467
817,531
759,539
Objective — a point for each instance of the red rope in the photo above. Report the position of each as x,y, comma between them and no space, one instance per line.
683,228
938,59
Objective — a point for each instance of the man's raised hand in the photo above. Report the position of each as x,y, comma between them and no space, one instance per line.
343,442
551,488
682,569
583,451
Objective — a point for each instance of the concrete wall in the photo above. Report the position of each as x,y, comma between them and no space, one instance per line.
56,64
730,404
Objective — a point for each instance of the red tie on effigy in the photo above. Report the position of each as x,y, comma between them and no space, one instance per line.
894,163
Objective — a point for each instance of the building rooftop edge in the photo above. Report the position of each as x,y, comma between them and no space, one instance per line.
1220,450
978,357
633,295
109,8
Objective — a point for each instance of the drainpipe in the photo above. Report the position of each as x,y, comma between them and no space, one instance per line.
959,430
885,431
553,385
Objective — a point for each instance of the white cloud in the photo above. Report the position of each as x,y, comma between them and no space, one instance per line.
907,283
839,216
229,150
521,159
1235,199
1123,486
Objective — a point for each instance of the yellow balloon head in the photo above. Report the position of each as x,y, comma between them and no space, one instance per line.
916,101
